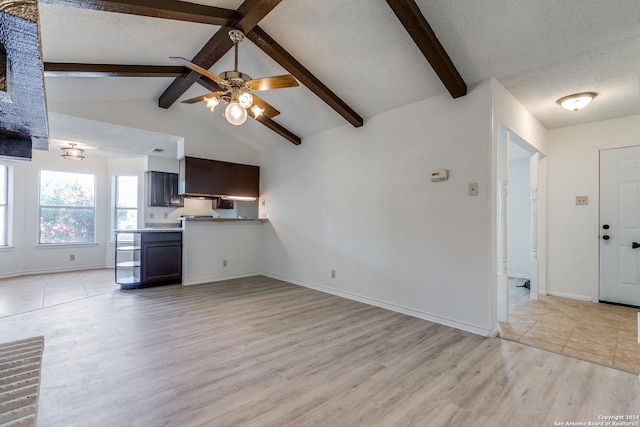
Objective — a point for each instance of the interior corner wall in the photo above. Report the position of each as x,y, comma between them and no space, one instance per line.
360,202
573,170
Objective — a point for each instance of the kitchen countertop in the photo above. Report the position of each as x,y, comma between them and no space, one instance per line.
211,219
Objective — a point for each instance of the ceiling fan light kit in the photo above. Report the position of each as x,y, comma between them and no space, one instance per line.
236,88
235,113
577,101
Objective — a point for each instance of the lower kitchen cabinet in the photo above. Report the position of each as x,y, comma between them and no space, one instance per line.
148,258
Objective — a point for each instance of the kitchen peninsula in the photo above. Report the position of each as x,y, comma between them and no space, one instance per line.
220,248
148,257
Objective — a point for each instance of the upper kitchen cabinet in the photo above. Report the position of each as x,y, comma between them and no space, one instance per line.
208,178
163,189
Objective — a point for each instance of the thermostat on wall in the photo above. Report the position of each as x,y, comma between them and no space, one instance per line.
440,175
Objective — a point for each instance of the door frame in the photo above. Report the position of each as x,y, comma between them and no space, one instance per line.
537,187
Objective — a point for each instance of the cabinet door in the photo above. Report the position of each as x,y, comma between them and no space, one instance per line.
173,197
163,189
157,191
162,263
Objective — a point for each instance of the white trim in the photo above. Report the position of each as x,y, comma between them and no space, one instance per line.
52,271
7,248
570,296
468,327
212,279
64,245
519,276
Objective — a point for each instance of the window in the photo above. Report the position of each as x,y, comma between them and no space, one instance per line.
4,205
126,203
67,207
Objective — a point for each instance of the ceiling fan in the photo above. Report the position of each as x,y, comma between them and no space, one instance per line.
237,88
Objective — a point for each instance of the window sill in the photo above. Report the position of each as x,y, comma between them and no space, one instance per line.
6,248
64,245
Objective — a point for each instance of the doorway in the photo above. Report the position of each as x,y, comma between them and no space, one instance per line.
620,226
519,225
528,189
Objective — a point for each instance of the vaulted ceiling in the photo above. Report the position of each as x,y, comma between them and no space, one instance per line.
354,59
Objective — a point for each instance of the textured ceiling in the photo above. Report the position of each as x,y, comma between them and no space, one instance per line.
540,50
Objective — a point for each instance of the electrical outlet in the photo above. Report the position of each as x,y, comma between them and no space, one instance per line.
582,200
333,274
166,215
72,257
224,263
264,202
151,215
473,189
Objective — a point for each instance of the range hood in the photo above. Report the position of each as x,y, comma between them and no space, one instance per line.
206,178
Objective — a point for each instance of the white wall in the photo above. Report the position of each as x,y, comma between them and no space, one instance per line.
519,219
573,170
360,202
207,244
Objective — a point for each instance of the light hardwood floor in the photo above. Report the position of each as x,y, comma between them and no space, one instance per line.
261,352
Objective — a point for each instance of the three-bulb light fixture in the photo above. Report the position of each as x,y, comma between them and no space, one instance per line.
238,103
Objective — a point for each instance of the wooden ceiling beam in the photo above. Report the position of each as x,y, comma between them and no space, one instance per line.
167,9
277,128
251,13
268,45
68,69
420,31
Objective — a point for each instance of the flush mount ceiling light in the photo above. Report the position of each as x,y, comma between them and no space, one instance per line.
576,101
72,153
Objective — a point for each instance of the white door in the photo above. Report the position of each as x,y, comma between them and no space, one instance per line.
620,225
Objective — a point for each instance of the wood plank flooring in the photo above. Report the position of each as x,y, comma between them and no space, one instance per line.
261,352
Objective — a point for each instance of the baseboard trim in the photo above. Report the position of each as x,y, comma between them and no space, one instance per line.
52,271
464,326
570,296
203,280
519,276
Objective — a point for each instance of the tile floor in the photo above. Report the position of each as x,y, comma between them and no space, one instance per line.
601,333
26,293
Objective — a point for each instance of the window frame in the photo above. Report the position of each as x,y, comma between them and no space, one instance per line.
93,241
116,209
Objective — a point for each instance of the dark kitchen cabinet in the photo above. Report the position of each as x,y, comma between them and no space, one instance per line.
146,259
163,190
161,257
208,178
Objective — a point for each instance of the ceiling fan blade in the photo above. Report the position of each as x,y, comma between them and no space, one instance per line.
202,97
198,69
267,109
275,82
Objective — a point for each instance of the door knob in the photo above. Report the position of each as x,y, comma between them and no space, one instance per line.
606,226
635,245
606,237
